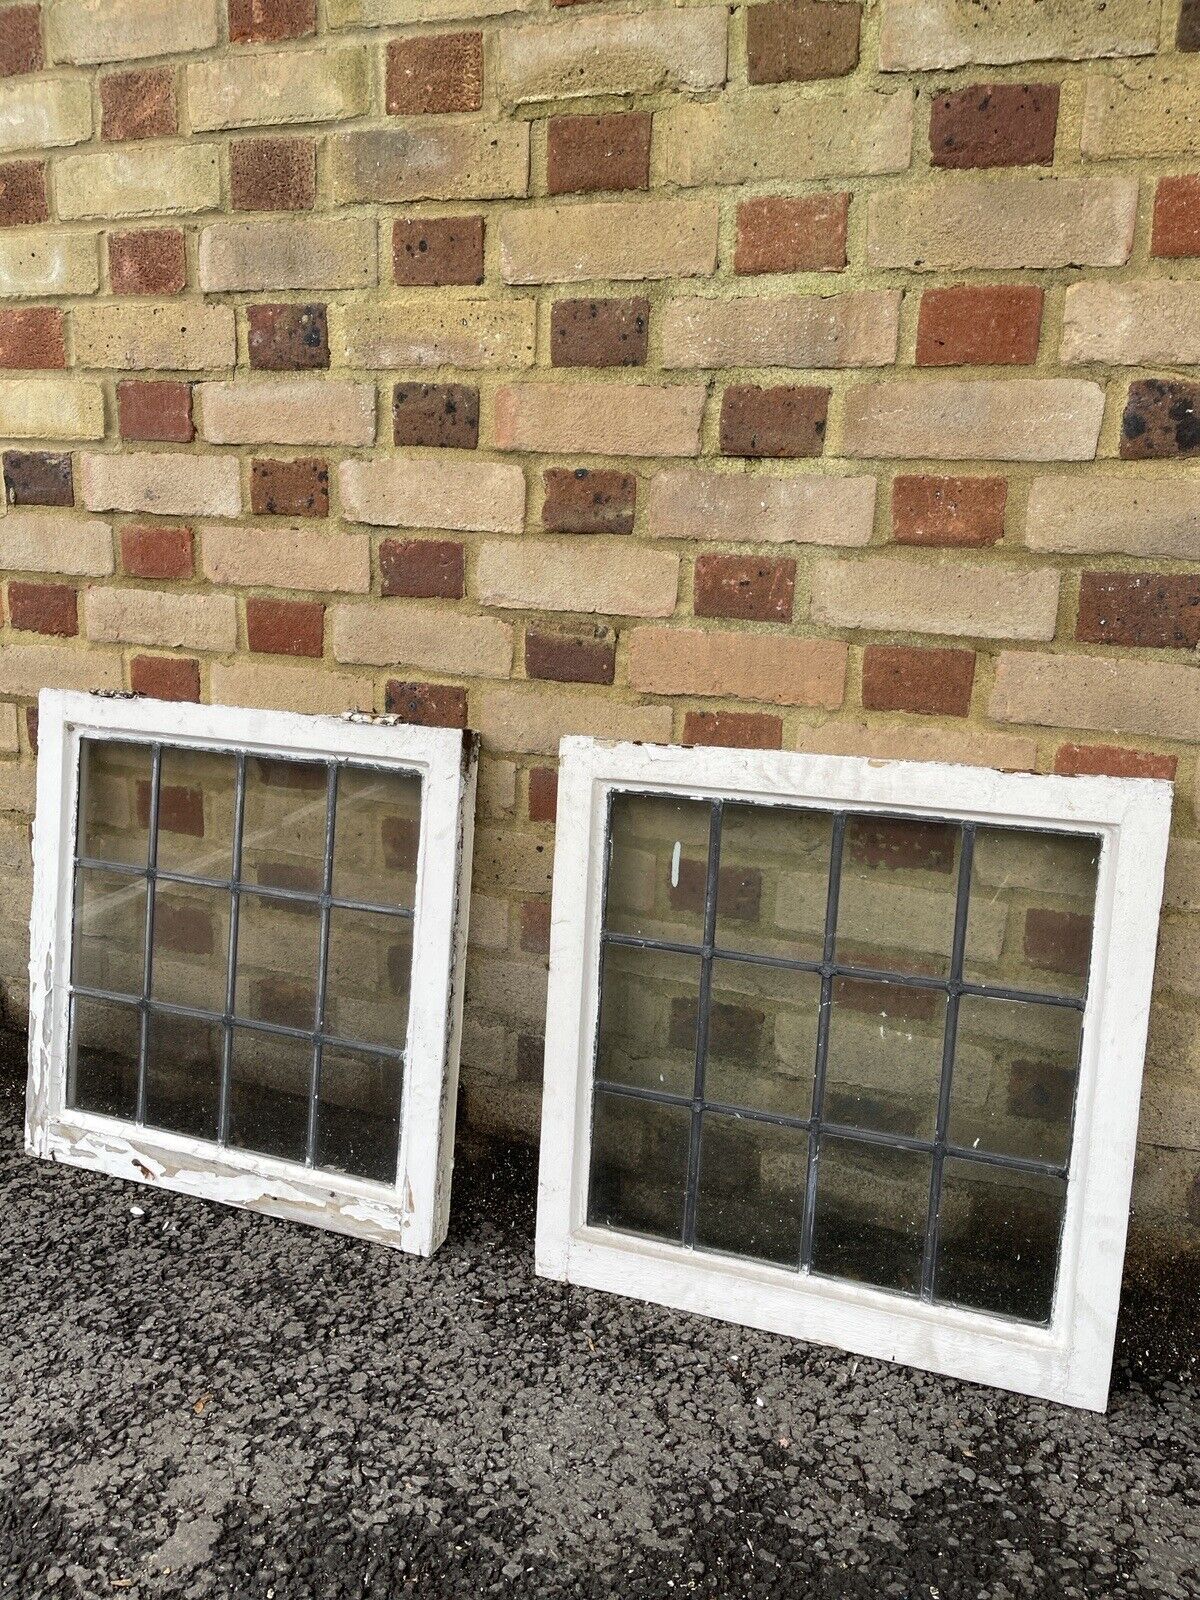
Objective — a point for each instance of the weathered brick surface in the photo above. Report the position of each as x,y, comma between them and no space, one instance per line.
287,411
288,338
158,617
37,114
435,72
1111,761
288,255
617,239
915,34
948,511
288,559
127,30
848,330
47,263
783,234
1142,111
141,180
444,415
51,408
157,552
428,705
22,193
423,569
588,500
1161,420
591,419
437,250
577,576
782,421
44,608
415,333
599,333
970,325
438,160
35,541
165,677
173,483
399,635
585,154
1176,222
272,174
774,670
179,335
570,658
267,21
1141,324
1111,511
1101,692
285,627
739,730
38,478
1018,419
994,125
294,488
691,503
1127,608
456,495
631,54
277,86
979,599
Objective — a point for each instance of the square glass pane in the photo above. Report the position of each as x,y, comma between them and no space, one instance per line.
998,1240
648,1010
277,948
898,893
658,867
1033,897
102,1069
773,882
370,975
108,935
639,1166
884,1064
872,1212
1013,1087
750,1200
190,965
183,1075
358,1115
283,828
195,812
762,1037
377,834
114,801
269,1085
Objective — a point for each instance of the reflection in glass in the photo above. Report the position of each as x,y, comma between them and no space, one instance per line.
750,1200
648,1015
773,881
277,947
190,965
639,1166
658,867
871,1216
370,972
998,1239
1033,896
114,801
268,1094
108,935
358,1124
102,1070
183,1075
195,812
762,1037
1013,1086
898,893
377,832
283,837
884,1063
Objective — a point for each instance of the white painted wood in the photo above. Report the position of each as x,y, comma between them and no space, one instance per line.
1068,1361
413,1213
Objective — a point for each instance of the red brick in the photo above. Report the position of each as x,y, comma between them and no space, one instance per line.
535,926
437,250
1187,34
38,478
543,794
895,1000
43,608
147,261
589,154
793,41
1153,609
897,678
138,105
165,677
427,705
20,40
899,844
599,333
22,193
739,730
782,421
531,1047
273,174
263,21
780,233
159,409
1058,941
749,587
948,511
183,928
288,338
31,337
285,627
565,658
180,808
588,500
986,325
289,488
31,727
1161,420
423,569
994,125
442,414
1112,761
739,889
435,73
152,552
1176,230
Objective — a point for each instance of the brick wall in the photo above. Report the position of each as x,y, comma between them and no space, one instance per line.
796,375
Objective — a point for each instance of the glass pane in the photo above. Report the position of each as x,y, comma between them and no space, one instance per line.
750,1200
658,867
774,881
277,947
998,1239
358,1123
762,1037
108,938
268,1094
872,1210
648,1011
195,813
191,946
114,801
283,830
376,837
639,1166
884,1065
370,971
102,1071
897,898
1014,1078
183,1075
1032,900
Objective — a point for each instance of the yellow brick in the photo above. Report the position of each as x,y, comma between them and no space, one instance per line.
287,688
289,255
9,740
916,35
771,668
964,747
1143,111
289,558
424,333
837,330
983,599
693,503
429,493
17,786
1153,323
631,54
625,239
170,483
429,159
51,541
1011,419
1105,693
27,669
600,419
37,113
599,577
532,718
277,86
393,634
304,410
152,616
379,13
51,408
181,335
1114,511
39,265
87,31
139,181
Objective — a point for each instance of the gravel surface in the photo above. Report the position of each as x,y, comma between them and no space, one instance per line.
197,1402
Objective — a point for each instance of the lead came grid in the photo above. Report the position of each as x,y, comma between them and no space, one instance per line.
928,1173
241,900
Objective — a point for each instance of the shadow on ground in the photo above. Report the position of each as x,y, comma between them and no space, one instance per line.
197,1402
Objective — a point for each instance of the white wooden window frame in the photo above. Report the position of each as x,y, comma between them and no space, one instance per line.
413,1214
1069,1360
